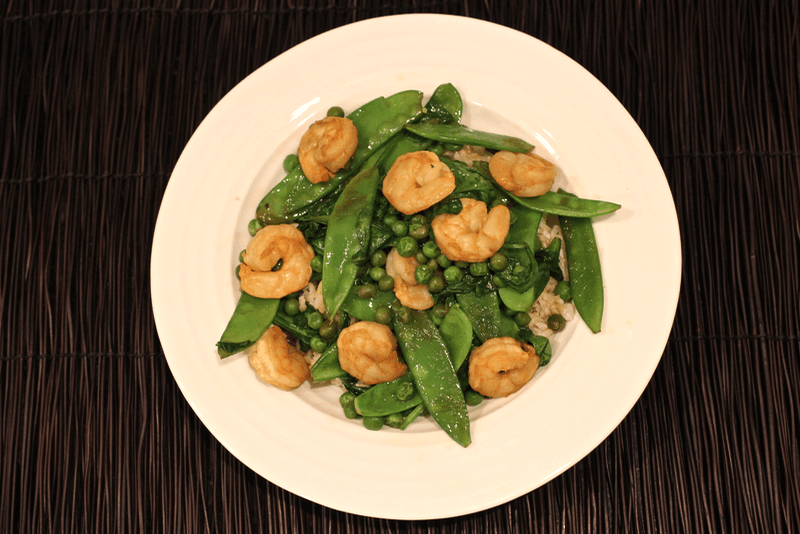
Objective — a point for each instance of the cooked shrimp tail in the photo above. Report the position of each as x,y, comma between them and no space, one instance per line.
282,242
368,351
501,366
326,147
417,181
473,235
278,362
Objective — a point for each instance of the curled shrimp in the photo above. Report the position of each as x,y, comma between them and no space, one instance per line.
525,175
473,235
272,243
368,351
406,289
501,366
277,362
326,147
417,181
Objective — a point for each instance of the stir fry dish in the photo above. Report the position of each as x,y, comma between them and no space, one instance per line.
417,264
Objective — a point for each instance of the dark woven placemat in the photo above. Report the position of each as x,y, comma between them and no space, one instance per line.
96,104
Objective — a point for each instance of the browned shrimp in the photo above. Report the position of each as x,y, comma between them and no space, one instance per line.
270,244
525,175
473,235
406,289
277,362
326,147
417,181
368,351
501,366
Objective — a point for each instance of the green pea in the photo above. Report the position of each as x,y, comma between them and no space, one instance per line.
390,219
378,259
418,218
373,422
241,256
347,400
419,231
394,420
439,310
437,148
422,274
452,147
478,269
399,229
498,262
376,273
383,315
367,291
316,263
498,282
453,274
404,314
291,307
404,391
522,318
318,344
556,322
335,111
564,290
451,207
254,226
407,246
462,264
472,397
315,320
430,249
436,283
386,283
444,261
436,320
327,331
421,257
432,264
290,162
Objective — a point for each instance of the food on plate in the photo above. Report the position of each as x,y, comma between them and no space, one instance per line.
419,265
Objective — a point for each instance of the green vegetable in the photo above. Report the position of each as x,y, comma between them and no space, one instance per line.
456,331
251,318
434,376
327,366
558,203
453,133
485,315
387,397
445,105
585,276
347,238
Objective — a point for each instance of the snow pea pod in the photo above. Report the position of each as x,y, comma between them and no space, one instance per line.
377,121
388,397
251,318
524,230
327,366
347,238
585,276
566,205
461,135
434,376
445,104
456,330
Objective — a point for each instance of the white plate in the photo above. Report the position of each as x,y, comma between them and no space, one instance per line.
510,82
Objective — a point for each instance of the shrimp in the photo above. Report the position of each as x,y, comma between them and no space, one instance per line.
368,351
417,181
525,175
277,362
406,289
270,244
473,235
326,147
501,366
